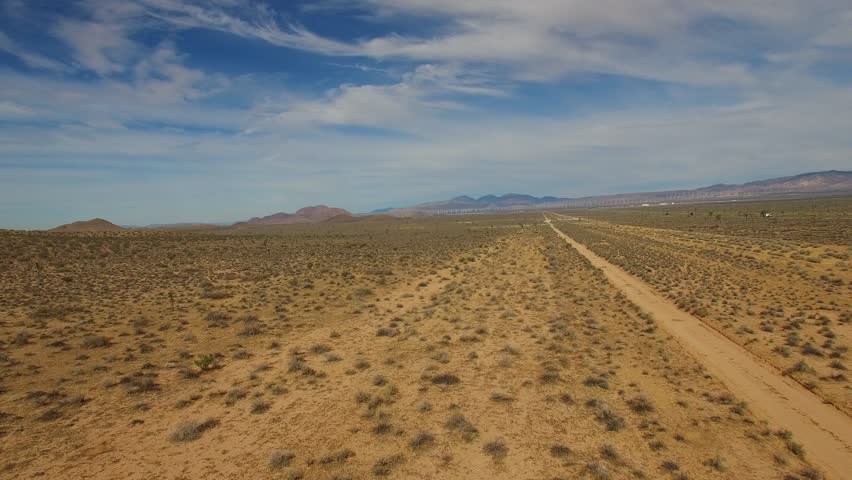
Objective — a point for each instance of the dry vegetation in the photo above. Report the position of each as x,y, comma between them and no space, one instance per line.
780,285
474,347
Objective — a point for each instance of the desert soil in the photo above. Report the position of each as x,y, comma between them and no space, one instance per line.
476,347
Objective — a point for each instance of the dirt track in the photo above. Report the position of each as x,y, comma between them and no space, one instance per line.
825,431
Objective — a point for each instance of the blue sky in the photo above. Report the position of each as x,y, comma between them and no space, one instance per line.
158,111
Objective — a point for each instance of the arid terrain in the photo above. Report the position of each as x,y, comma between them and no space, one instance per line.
780,285
478,346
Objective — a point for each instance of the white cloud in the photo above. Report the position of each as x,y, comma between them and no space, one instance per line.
100,47
415,100
161,77
12,109
31,59
240,18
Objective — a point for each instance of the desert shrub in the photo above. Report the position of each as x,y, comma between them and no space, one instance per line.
458,423
22,338
192,430
810,473
142,384
385,465
499,396
609,418
610,453
259,406
641,405
560,451
800,367
281,459
206,361
716,463
597,471
795,448
217,319
593,381
445,379
421,440
363,292
362,364
496,449
95,341
387,332
50,415
337,457
251,328
234,395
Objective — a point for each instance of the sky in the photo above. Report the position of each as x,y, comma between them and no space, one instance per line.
164,111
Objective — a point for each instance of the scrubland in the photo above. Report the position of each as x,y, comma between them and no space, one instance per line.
456,347
780,285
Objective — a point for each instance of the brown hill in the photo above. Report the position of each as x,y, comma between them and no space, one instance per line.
321,213
93,225
314,214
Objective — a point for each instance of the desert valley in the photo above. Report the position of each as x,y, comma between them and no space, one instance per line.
326,345
426,240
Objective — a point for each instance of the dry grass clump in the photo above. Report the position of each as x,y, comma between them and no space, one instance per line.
337,457
193,430
422,439
458,423
445,379
641,405
385,465
496,449
95,341
281,458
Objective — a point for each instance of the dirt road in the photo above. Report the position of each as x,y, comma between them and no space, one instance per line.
825,432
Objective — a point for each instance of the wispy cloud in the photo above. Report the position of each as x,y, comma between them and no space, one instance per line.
418,97
31,59
666,40
102,48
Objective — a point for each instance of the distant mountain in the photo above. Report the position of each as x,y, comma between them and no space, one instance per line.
381,210
369,218
815,183
93,225
315,214
177,226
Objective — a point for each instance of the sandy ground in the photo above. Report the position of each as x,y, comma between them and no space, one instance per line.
511,358
825,430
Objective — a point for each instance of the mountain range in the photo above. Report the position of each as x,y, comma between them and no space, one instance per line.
806,184
814,183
